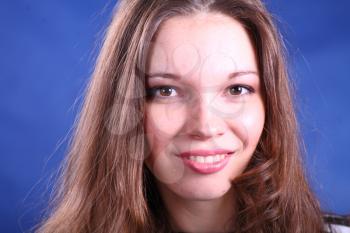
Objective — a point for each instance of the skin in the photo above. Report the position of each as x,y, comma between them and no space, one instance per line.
201,110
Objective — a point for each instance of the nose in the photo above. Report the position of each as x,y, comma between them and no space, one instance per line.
203,122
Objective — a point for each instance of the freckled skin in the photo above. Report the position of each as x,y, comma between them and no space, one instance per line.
201,114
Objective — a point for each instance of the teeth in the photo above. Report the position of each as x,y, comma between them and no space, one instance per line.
207,159
217,158
200,159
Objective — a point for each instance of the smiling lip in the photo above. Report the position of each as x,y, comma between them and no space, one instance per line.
187,154
206,168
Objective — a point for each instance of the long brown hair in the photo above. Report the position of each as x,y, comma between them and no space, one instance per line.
105,186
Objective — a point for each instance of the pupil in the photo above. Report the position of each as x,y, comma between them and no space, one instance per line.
166,91
236,90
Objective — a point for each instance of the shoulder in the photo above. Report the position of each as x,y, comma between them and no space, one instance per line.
336,228
337,223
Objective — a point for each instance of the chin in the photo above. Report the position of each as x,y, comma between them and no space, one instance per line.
201,190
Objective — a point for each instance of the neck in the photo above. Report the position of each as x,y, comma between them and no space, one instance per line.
200,216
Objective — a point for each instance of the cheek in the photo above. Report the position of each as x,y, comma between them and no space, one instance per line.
162,125
248,128
248,122
255,121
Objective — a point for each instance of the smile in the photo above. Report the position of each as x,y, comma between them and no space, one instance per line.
206,161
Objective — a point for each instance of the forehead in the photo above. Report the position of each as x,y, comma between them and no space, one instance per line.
184,42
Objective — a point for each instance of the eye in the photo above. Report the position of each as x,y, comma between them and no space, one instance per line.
237,90
162,92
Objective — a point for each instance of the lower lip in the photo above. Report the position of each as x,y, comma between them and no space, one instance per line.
207,168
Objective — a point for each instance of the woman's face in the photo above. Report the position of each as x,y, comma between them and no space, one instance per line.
204,111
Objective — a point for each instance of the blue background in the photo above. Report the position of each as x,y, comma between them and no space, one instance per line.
47,52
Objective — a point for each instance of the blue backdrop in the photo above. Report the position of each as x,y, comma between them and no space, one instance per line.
47,52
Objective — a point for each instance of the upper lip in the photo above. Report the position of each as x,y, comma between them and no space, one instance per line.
204,152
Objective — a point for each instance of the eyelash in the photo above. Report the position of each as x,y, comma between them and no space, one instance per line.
249,89
151,92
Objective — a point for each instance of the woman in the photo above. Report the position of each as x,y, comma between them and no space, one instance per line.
187,126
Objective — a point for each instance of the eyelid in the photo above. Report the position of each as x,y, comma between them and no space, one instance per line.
157,88
250,89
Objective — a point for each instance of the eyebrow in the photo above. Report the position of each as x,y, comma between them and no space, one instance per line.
232,75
